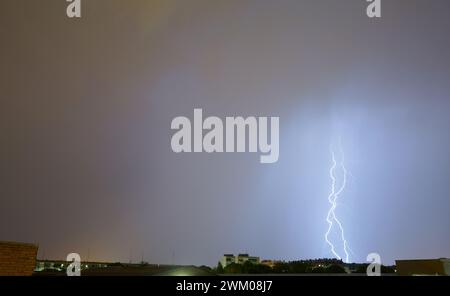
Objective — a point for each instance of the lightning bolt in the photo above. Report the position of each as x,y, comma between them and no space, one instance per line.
332,199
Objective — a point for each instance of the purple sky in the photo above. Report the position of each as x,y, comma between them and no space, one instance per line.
86,105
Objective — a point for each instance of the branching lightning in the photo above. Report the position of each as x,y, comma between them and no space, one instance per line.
332,199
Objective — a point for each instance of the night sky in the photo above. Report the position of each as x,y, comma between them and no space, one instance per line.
86,105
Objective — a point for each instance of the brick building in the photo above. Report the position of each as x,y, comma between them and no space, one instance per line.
17,258
423,267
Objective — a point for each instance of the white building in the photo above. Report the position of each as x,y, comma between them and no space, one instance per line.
227,259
